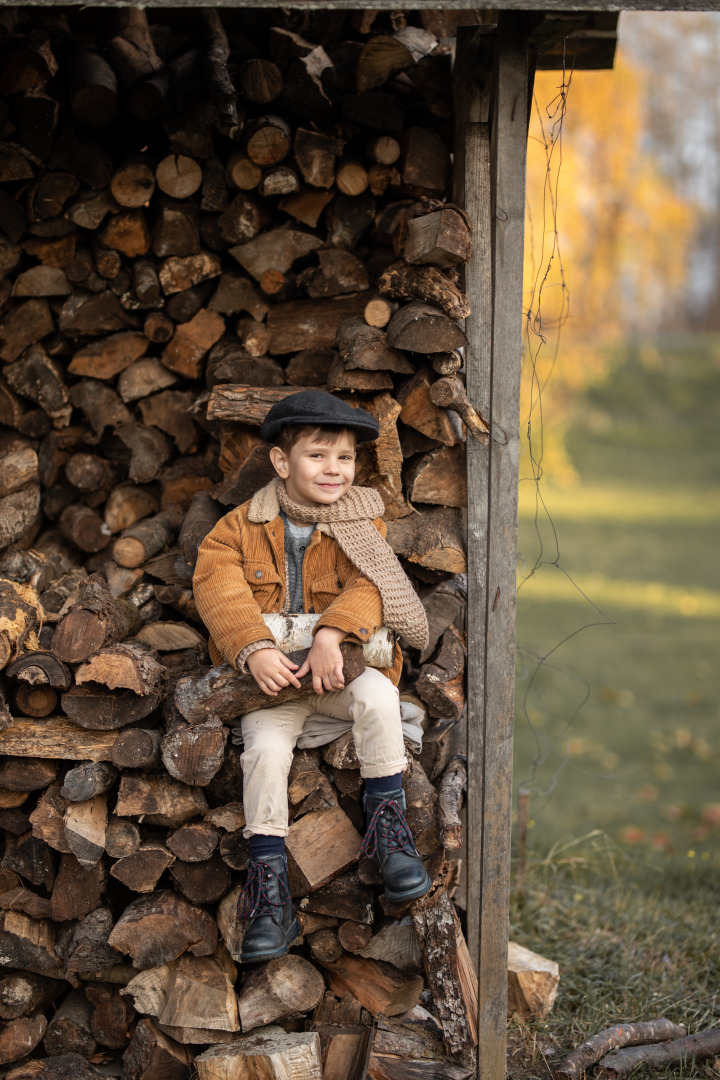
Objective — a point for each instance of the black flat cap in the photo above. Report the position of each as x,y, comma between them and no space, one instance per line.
311,407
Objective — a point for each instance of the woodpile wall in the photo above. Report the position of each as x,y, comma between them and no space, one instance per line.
199,215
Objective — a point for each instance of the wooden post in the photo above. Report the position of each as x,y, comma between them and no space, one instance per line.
494,195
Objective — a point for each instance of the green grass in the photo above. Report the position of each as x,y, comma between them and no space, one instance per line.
632,943
618,728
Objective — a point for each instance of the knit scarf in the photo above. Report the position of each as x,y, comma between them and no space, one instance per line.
350,522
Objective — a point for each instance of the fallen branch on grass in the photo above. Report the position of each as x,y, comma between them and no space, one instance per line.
705,1044
649,1031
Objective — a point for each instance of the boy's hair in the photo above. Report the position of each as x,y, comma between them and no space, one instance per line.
329,433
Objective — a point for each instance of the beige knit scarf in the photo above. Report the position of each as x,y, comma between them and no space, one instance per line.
350,522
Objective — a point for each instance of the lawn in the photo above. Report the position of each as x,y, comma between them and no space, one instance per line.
618,688
617,732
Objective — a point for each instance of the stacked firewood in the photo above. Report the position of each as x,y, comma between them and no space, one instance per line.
197,218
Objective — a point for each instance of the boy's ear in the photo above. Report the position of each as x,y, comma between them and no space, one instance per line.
280,462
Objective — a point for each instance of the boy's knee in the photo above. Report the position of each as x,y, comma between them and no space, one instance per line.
264,752
374,691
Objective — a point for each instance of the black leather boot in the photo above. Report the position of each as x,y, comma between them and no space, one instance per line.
388,838
266,905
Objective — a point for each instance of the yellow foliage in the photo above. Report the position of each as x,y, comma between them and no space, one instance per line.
606,242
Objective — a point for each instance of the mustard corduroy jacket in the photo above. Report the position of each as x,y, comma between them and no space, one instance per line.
240,573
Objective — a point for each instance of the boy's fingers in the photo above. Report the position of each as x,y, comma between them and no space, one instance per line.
287,662
303,670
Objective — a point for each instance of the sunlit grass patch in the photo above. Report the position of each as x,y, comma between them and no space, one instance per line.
658,597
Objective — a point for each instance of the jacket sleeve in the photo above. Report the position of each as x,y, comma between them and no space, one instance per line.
358,608
223,597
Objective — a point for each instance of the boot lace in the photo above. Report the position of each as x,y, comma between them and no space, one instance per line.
255,898
396,835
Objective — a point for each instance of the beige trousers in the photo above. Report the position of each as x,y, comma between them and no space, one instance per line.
370,702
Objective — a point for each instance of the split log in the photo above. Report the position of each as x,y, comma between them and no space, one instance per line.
297,325
48,819
178,176
324,945
295,1054
450,795
691,1048
127,665
25,325
141,870
424,163
107,357
147,538
353,936
403,1049
95,621
131,51
18,898
151,1055
282,988
441,683
380,987
39,379
449,393
19,1038
22,994
274,250
344,898
440,238
203,515
420,412
202,882
169,636
88,780
133,184
28,944
443,605
194,754
121,838
69,1029
450,973
532,983
161,800
192,340
363,346
396,944
434,540
424,328
307,205
613,1038
150,451
381,57
31,858
319,847
111,1017
30,774
77,890
193,843
226,694
156,929
95,708
137,748
429,285
86,950
56,738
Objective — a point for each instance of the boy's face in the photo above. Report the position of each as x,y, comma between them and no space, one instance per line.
315,471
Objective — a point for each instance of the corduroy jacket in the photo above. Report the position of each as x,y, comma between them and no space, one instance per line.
240,573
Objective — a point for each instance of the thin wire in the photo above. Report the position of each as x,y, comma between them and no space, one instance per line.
536,328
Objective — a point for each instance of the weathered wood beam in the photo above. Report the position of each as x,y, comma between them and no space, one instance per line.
494,197
420,5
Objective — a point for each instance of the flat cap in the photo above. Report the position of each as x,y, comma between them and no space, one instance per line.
311,407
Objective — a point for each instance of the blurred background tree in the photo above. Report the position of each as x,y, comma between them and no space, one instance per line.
623,210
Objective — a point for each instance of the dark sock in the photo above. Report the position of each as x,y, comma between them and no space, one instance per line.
376,785
260,846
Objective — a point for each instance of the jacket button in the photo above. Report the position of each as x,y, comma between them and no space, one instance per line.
339,584
258,573
363,630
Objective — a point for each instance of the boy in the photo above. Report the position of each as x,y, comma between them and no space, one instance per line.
310,541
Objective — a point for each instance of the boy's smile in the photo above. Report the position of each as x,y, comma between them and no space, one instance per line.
315,470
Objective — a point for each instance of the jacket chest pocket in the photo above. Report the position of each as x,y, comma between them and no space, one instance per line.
325,589
265,583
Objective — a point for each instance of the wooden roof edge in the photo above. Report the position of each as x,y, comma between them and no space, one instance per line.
582,6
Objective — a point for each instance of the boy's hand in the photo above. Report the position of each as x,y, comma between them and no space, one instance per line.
272,670
325,660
